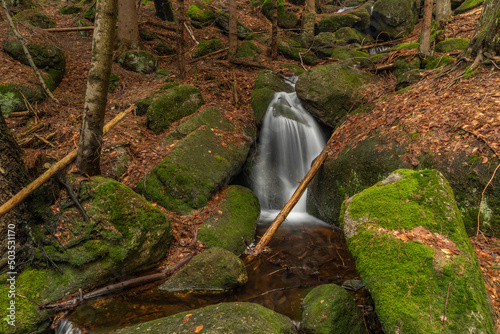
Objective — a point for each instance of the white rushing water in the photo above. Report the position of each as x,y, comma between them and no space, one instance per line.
66,327
290,140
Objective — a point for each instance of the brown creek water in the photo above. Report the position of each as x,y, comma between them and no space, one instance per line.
301,256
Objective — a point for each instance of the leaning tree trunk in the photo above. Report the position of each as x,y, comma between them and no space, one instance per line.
127,34
13,176
233,33
487,35
89,147
425,35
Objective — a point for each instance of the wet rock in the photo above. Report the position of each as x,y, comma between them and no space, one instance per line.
353,284
411,227
328,92
232,226
216,270
224,318
395,18
138,61
329,309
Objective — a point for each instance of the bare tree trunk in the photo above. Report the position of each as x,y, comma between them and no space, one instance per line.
487,35
233,32
127,34
180,38
90,145
443,10
425,35
274,31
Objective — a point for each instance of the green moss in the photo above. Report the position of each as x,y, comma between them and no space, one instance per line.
468,73
286,18
408,46
452,44
207,46
295,69
114,82
333,23
70,9
10,99
248,50
434,62
200,14
468,5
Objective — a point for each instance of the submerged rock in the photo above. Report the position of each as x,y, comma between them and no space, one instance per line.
331,309
410,246
216,270
232,226
224,318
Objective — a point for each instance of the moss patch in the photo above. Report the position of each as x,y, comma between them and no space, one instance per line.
452,44
207,46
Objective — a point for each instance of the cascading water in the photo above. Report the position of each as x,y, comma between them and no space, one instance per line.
289,142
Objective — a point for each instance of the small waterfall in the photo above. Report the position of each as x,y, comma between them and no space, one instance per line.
66,327
290,140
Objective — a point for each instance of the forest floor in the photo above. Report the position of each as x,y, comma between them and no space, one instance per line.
441,103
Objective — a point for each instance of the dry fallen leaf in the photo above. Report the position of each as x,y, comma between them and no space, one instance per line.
198,329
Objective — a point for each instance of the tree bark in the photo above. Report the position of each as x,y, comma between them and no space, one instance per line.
233,32
274,31
164,10
13,176
90,144
180,38
487,35
127,34
443,10
425,35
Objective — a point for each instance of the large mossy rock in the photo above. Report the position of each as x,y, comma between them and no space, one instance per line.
36,18
266,84
468,5
200,14
222,20
292,49
198,166
225,318
411,250
452,44
347,35
138,61
396,18
328,309
332,23
47,57
286,18
232,226
216,270
126,234
328,92
207,46
174,103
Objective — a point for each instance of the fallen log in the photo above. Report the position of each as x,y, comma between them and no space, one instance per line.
26,191
69,29
116,287
280,218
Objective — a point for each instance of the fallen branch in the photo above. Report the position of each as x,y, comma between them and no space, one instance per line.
116,287
248,63
208,55
69,29
293,200
27,54
31,130
21,113
26,191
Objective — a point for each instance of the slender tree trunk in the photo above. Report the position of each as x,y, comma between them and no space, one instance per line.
233,32
443,10
274,31
487,35
308,22
180,38
90,145
164,10
425,35
13,176
127,34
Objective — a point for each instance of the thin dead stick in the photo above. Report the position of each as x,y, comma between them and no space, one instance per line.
208,55
27,54
69,29
482,198
190,32
26,191
293,200
443,319
31,300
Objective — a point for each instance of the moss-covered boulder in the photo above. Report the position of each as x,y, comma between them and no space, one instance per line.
404,65
12,97
347,35
409,78
395,18
328,92
292,49
452,44
207,46
125,234
138,61
323,44
286,18
468,5
248,50
70,9
225,318
433,62
198,166
329,308
47,57
200,14
364,13
216,270
332,23
35,18
222,20
411,250
266,84
175,103
232,226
